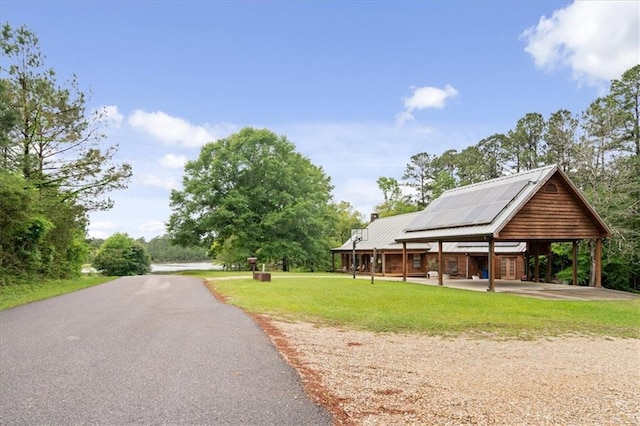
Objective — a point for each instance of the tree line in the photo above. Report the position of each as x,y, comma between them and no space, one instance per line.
599,149
160,249
54,165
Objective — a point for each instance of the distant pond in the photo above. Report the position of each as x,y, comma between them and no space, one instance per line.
189,266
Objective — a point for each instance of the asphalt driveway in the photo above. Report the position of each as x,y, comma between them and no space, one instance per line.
151,349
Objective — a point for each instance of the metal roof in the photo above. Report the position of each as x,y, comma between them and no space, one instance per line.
383,232
501,247
478,210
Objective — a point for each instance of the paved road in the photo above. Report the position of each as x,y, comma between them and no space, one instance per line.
152,349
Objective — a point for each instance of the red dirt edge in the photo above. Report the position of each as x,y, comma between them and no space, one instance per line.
311,380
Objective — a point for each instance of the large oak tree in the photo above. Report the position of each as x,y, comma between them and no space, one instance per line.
253,194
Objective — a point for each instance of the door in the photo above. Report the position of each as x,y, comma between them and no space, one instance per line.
508,268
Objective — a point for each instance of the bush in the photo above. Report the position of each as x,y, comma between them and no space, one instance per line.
121,255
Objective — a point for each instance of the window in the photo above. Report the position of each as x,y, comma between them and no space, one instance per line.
453,266
417,261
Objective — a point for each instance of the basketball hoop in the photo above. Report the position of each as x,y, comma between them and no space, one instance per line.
357,235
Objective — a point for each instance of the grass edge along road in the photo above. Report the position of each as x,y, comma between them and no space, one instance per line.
392,306
19,294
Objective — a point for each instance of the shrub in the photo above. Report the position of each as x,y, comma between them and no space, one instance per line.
121,255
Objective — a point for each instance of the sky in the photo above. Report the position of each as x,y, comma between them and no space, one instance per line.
358,86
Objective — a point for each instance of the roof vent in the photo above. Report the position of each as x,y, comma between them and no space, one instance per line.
551,188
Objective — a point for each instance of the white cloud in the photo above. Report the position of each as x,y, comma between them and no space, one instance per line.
424,97
101,229
429,97
110,115
597,40
173,161
154,227
177,131
164,182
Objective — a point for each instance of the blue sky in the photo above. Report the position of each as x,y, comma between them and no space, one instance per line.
358,87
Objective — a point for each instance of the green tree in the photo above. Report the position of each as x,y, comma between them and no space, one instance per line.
121,255
560,136
525,144
395,202
53,141
419,174
625,94
483,161
22,228
255,188
347,218
162,250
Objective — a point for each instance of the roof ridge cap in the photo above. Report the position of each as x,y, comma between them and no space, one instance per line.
485,182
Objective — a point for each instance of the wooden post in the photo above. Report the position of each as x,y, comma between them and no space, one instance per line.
404,261
549,259
373,265
440,267
466,255
574,254
333,261
536,267
384,263
492,266
598,270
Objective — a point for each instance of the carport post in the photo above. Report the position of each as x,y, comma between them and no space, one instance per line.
404,261
574,268
491,266
440,267
598,270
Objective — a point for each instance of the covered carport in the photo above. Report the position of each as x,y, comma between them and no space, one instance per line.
539,207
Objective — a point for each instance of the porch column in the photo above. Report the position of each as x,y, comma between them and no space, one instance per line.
574,254
492,267
598,270
384,262
549,259
440,268
536,267
404,261
333,261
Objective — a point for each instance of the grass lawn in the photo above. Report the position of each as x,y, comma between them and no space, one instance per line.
14,295
391,306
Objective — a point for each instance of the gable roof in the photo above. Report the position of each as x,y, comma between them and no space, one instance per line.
383,232
481,210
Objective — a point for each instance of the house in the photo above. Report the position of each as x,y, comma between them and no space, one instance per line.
460,259
537,207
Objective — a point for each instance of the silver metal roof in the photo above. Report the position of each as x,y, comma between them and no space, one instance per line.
478,210
383,232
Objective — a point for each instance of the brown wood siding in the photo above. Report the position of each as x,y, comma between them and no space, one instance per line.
552,216
393,264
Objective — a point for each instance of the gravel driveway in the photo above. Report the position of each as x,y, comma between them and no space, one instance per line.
151,349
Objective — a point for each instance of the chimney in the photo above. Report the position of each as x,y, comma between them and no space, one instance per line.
374,216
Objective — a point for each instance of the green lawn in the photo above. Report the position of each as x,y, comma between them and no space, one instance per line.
14,295
391,306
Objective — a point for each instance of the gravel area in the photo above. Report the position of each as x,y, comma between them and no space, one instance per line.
399,379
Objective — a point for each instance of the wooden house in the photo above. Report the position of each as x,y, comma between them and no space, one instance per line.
537,207
381,251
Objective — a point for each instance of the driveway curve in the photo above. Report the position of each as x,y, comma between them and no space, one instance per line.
151,349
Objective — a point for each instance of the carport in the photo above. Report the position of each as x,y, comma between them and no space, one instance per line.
539,207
